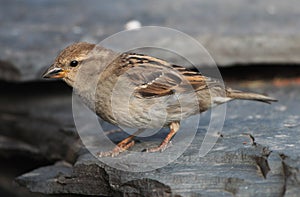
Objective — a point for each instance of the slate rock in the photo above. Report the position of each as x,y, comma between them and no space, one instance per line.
32,33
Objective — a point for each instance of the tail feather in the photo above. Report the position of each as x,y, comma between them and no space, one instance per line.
235,94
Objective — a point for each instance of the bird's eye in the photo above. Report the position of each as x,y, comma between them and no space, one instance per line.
74,63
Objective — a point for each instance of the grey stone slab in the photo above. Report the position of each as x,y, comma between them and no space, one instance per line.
230,172
234,167
58,179
233,31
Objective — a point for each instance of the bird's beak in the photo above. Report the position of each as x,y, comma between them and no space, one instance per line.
54,72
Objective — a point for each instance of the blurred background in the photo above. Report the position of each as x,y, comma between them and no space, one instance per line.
256,45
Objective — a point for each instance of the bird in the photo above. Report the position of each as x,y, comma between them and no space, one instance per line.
128,87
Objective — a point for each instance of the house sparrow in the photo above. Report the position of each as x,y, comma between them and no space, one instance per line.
133,83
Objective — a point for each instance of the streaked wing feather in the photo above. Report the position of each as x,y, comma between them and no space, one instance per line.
154,77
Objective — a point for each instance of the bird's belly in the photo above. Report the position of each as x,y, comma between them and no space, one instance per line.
147,113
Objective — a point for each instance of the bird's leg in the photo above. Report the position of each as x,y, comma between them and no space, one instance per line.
174,127
121,146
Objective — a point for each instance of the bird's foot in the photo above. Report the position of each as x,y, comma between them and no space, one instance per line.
121,147
159,148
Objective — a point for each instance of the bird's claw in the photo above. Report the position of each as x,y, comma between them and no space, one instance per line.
117,150
160,148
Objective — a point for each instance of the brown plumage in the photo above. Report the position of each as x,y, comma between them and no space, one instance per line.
141,82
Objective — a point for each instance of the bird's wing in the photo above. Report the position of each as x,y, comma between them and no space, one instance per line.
153,77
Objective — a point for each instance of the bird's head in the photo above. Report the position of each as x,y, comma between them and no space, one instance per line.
68,62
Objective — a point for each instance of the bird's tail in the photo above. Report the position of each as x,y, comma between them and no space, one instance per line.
235,94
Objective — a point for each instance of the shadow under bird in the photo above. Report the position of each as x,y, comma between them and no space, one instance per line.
126,86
